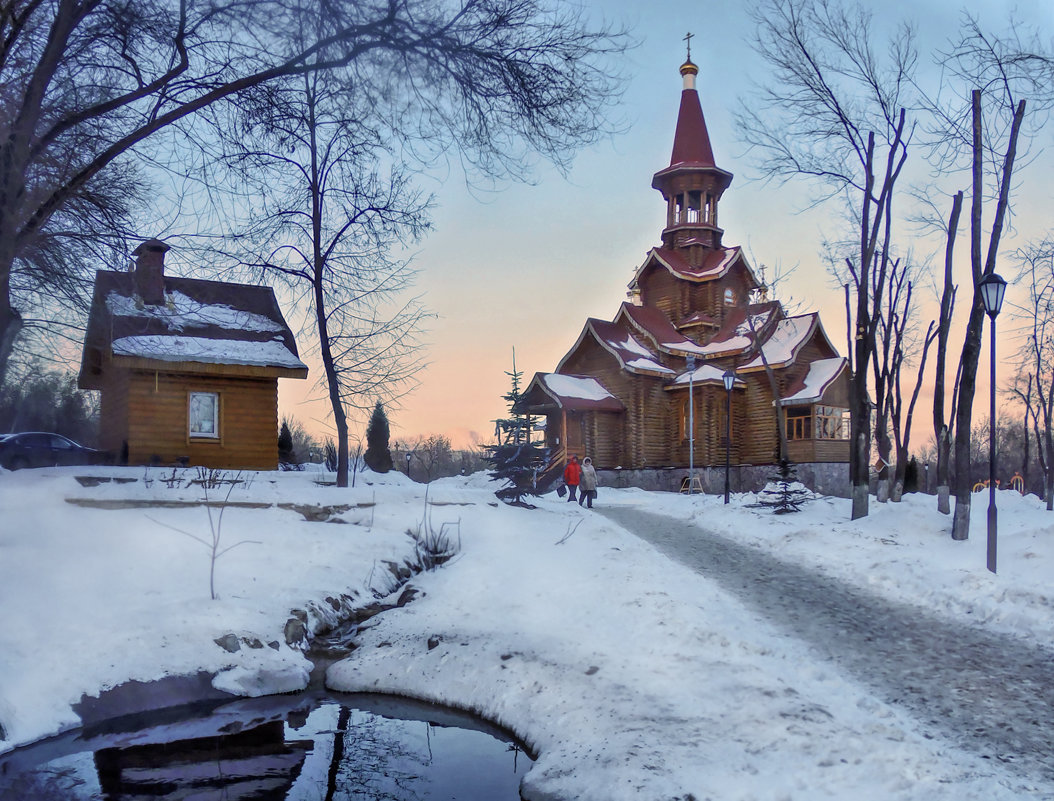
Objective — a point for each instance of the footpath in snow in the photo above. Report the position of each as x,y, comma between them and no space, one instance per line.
631,675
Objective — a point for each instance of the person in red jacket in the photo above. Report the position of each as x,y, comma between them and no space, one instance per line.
572,475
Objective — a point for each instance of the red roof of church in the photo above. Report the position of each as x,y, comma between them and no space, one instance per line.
716,265
651,322
691,141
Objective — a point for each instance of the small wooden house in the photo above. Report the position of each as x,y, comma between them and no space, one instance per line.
187,369
621,394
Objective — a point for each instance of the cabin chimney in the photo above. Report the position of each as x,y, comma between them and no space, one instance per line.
150,271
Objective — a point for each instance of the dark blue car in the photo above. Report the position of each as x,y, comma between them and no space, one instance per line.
40,449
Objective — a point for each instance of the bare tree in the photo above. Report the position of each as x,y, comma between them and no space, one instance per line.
1037,357
323,216
941,431
89,84
834,112
990,78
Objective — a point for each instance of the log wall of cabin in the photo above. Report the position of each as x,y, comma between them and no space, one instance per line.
113,412
158,430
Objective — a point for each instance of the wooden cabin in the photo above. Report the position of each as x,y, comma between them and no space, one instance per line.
187,369
639,391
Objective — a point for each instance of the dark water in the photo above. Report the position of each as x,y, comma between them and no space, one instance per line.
275,749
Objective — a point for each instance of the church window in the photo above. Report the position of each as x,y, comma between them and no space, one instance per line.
832,422
799,422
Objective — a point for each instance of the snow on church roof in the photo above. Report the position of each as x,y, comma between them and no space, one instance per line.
655,324
576,392
716,265
627,349
821,375
741,328
782,347
707,373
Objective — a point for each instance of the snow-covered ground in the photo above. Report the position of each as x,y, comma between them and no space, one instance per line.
631,676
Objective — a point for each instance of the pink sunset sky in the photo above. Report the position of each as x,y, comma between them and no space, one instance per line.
524,266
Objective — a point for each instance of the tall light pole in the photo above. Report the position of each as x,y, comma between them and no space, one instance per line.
729,378
992,289
691,422
408,455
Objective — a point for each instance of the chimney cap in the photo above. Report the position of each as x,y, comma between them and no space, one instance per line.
152,246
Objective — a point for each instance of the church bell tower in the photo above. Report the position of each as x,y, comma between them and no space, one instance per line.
693,183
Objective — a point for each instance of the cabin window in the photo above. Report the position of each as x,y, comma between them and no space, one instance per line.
204,414
730,297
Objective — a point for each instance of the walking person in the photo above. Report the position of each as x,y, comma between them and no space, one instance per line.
572,475
587,483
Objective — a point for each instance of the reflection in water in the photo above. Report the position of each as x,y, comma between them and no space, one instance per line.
300,752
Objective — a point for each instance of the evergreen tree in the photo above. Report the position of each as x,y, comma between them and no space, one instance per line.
517,459
378,456
785,494
285,444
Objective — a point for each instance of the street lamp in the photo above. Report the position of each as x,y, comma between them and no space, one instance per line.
992,289
691,422
408,455
729,378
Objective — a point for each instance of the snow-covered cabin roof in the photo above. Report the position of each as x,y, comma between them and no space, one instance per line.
716,265
575,392
790,336
200,323
822,374
631,353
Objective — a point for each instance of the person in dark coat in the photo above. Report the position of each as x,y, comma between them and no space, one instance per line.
587,483
572,475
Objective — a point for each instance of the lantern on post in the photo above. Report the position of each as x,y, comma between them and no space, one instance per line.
992,289
730,379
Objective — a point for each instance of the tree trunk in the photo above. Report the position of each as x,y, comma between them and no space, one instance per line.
884,446
10,328
941,434
944,444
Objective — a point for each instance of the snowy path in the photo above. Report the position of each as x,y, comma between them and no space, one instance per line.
989,693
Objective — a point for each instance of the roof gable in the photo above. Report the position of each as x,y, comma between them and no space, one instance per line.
789,337
811,387
632,355
574,392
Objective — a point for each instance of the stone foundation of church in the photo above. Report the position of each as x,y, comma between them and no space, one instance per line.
826,478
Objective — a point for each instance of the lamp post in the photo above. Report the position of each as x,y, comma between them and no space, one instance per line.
729,378
691,422
408,455
992,288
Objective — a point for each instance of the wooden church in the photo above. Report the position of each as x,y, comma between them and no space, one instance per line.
697,313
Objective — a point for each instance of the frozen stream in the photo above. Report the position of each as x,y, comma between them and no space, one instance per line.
291,748
989,693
